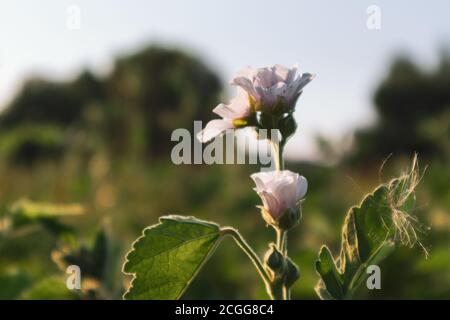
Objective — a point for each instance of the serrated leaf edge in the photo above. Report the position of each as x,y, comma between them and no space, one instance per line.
177,218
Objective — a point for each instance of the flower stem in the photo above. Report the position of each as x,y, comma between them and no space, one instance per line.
252,255
284,250
277,151
282,247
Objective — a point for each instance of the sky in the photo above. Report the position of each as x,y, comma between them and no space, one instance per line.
328,38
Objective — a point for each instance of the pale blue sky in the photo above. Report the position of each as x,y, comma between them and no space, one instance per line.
329,38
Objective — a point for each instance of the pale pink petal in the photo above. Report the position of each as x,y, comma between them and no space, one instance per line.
265,78
281,72
292,74
302,187
224,111
295,88
264,179
258,182
237,109
248,72
280,190
271,204
303,81
245,84
213,129
276,91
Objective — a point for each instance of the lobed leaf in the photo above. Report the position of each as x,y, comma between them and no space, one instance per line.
368,237
332,280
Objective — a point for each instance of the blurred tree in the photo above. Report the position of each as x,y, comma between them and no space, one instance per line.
133,110
34,124
160,90
413,108
48,102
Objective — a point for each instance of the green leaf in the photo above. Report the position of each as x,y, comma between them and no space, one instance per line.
326,267
12,284
51,288
92,259
34,210
25,212
368,237
166,258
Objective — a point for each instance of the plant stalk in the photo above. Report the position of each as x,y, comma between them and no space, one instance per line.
252,255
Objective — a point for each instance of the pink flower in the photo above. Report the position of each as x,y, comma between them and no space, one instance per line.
279,191
233,116
274,87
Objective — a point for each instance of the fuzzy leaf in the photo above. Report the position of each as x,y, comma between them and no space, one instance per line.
166,258
326,267
368,237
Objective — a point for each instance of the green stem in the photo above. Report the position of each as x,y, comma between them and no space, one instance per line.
282,247
286,290
277,151
274,148
252,255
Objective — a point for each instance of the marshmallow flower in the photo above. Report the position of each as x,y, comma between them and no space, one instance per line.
233,116
277,87
279,191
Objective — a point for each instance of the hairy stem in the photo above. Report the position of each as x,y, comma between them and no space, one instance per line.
282,247
252,255
277,149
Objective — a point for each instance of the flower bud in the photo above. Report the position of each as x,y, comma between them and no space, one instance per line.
273,259
280,192
287,126
292,273
290,218
267,121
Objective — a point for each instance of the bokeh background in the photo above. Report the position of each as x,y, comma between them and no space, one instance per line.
87,107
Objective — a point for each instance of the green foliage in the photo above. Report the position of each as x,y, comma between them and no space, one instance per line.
51,288
48,102
168,256
91,259
12,284
116,112
96,260
25,213
26,143
32,210
368,237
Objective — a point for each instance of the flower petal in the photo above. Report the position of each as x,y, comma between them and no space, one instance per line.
263,179
281,72
265,77
292,74
244,79
302,187
280,190
271,204
224,111
213,129
303,81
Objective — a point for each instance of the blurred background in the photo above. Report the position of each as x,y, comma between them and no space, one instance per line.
90,93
